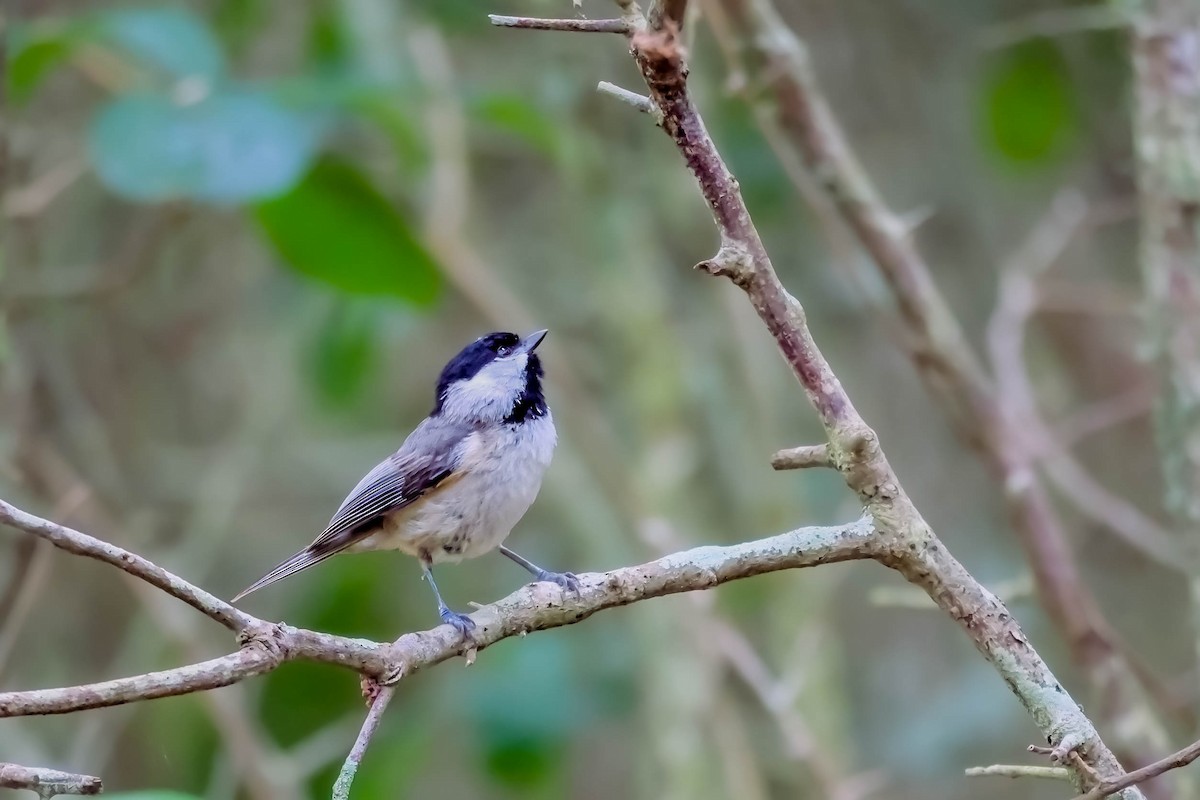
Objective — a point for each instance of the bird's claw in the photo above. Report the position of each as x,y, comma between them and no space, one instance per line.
461,622
567,581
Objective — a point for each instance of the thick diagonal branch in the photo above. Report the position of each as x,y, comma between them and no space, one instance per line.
854,448
984,414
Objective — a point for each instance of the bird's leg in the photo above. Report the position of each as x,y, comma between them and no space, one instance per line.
462,622
566,580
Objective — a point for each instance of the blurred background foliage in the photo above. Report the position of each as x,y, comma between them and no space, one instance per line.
242,236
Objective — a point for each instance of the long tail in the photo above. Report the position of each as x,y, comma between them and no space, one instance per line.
302,560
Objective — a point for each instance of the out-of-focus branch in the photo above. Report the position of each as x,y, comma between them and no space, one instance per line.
33,199
47,782
127,264
1006,331
29,578
716,636
1166,58
1102,415
1055,22
777,65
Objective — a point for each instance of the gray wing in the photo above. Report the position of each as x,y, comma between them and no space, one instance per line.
429,457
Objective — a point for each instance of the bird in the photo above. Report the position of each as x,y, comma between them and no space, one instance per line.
462,479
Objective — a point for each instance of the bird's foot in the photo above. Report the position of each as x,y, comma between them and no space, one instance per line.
564,580
461,622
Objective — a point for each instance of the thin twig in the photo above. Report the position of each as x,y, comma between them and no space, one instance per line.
573,25
33,199
1018,771
638,101
803,457
47,782
341,787
1103,415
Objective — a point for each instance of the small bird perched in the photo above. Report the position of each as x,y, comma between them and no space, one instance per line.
462,479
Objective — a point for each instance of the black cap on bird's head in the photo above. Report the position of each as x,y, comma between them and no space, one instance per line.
497,375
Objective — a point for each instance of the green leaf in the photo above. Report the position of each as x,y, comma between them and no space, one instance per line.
335,227
35,50
525,705
451,15
1029,110
345,353
328,42
171,39
516,115
238,22
230,147
300,701
524,763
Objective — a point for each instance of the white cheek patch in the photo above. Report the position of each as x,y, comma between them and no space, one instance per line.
491,393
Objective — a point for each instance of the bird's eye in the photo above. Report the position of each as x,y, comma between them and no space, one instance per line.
504,350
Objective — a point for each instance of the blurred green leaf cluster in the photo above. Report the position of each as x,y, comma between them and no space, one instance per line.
180,126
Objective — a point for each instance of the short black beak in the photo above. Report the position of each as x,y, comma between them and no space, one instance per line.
531,342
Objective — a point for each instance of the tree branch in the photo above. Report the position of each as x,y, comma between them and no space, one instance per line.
537,606
200,677
47,782
638,101
936,343
83,545
573,25
803,457
1174,761
345,778
1018,771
